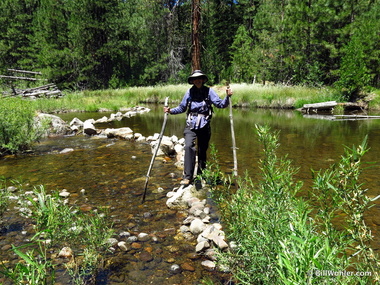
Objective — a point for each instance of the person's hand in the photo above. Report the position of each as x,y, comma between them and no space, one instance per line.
229,92
167,110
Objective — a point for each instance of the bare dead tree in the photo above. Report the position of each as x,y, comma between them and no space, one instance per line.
196,46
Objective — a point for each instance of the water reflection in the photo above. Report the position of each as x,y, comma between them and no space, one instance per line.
112,172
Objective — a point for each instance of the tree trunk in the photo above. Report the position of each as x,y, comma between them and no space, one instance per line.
196,46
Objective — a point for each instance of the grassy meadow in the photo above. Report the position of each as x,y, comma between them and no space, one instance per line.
245,95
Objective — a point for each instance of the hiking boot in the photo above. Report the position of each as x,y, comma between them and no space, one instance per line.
185,182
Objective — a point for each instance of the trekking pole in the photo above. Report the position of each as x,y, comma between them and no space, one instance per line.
233,137
156,150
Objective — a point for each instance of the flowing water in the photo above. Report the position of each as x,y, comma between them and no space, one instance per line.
112,174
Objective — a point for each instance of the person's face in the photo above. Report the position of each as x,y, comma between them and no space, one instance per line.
198,82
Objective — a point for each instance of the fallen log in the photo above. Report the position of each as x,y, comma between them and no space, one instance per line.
47,86
20,78
40,93
24,71
341,117
315,107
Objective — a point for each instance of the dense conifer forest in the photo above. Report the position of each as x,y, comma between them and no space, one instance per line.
97,44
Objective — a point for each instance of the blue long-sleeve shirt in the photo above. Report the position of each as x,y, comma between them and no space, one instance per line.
199,110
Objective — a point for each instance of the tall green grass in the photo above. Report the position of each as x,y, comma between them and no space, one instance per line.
278,96
278,235
17,125
253,95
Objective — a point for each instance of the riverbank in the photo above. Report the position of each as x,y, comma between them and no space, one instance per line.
18,112
245,95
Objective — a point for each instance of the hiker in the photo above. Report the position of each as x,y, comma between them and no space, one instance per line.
198,101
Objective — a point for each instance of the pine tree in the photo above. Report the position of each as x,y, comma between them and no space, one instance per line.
15,29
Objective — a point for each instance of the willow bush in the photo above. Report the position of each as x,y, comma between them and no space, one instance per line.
278,237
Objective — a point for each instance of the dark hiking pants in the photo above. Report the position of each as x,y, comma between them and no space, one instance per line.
202,136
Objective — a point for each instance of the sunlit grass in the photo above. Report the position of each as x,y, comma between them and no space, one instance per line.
248,95
278,96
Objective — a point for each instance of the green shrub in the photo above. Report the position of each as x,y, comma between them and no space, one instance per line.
354,75
279,238
17,128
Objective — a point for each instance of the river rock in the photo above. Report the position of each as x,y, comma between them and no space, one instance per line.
136,245
143,237
124,133
103,119
184,229
124,234
11,189
180,198
66,150
187,267
175,269
176,200
203,245
130,114
188,220
211,254
209,265
57,126
65,252
197,226
146,256
115,117
89,128
165,146
122,245
76,123
112,241
64,193
216,235
137,136
132,239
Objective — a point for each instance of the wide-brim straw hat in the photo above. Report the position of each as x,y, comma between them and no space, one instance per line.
197,74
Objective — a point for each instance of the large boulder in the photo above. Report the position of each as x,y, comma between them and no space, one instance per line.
56,126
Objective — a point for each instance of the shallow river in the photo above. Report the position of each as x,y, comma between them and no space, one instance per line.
112,172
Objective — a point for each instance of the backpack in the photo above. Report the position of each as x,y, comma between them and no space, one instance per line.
202,96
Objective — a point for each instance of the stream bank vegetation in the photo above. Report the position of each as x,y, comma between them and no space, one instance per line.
58,227
18,131
245,95
282,238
